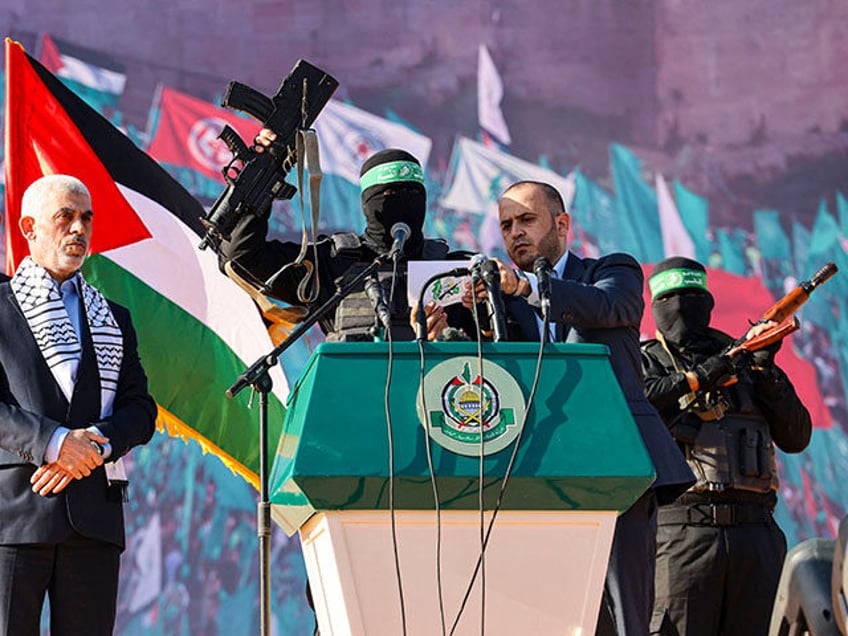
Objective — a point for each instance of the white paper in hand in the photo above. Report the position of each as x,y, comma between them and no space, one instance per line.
445,291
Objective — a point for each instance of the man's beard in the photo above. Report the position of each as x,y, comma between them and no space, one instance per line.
548,246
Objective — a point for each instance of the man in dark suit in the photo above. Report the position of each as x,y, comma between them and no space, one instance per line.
73,401
600,301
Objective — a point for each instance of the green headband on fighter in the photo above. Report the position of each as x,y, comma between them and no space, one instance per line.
679,278
392,172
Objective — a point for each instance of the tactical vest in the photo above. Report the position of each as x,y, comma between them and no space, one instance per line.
725,438
355,318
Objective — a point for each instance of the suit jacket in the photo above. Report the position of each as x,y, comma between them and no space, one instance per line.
32,406
600,301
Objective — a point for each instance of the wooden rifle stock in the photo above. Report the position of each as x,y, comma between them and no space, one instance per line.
766,338
780,311
787,305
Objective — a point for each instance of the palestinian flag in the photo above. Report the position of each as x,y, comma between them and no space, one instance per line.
92,75
196,329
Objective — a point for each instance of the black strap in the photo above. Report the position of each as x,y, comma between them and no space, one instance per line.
713,514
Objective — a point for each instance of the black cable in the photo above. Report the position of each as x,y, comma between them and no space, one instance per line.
508,472
481,471
392,462
481,564
421,335
429,449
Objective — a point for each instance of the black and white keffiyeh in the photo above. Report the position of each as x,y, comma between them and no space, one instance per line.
40,298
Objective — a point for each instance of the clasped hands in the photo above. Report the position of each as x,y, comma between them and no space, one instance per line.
78,456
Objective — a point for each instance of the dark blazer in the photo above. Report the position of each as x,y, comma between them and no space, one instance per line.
32,406
600,301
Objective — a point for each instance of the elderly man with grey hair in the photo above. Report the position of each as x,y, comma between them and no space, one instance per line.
73,401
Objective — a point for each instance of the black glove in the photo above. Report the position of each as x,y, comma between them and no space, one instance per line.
712,370
765,356
742,359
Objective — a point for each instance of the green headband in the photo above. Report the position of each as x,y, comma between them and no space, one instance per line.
677,279
392,172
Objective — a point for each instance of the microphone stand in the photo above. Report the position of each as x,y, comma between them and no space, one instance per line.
257,377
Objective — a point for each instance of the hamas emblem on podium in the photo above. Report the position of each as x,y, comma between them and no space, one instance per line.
460,404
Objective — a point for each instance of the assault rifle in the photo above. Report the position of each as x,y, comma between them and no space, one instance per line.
254,179
779,312
712,405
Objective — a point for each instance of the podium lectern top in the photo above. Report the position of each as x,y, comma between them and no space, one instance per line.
580,448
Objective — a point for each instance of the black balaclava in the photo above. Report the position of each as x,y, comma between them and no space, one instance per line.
398,171
681,303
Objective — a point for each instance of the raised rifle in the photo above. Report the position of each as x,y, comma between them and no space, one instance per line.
780,312
255,179
712,405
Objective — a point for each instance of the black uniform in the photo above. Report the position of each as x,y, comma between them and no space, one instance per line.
719,550
342,256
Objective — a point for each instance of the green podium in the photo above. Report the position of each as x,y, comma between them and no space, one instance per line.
580,461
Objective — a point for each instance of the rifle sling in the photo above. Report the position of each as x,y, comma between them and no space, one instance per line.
308,158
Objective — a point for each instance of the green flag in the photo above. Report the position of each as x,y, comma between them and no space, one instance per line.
823,247
775,249
636,207
694,212
842,211
594,209
800,246
731,246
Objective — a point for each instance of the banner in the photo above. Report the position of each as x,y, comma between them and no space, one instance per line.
348,135
187,133
481,174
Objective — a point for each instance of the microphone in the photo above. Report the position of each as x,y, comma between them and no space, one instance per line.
542,269
475,266
400,232
374,291
492,281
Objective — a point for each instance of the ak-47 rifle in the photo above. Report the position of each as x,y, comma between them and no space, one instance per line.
711,405
780,312
252,187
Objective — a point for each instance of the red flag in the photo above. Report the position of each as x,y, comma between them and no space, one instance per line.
50,55
36,149
187,134
738,300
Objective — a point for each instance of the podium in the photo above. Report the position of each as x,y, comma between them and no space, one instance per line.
580,461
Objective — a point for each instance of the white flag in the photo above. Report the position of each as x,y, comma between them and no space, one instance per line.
482,174
675,236
489,96
347,136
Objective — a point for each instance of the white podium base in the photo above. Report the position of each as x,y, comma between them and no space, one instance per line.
544,572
